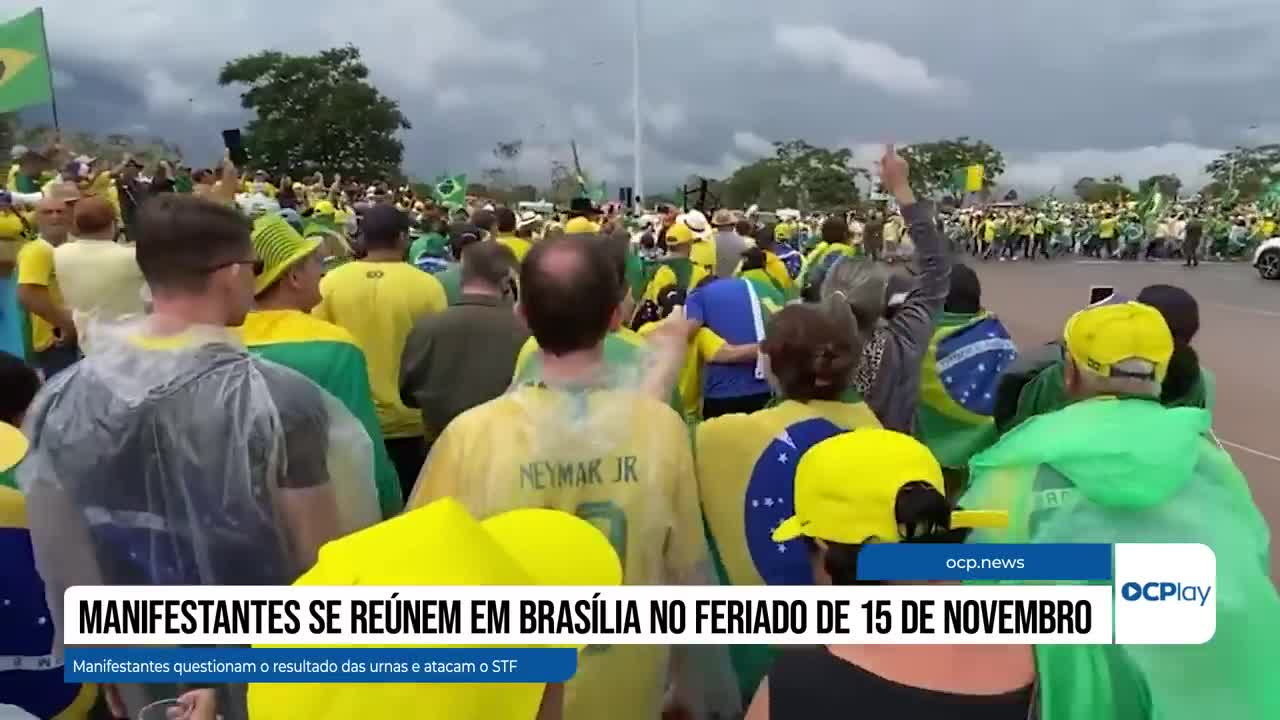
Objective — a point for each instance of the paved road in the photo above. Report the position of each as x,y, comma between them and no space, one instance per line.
1239,340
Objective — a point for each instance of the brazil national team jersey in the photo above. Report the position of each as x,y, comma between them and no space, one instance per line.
618,459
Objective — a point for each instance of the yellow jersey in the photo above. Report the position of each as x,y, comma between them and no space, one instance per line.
704,346
378,303
35,267
620,460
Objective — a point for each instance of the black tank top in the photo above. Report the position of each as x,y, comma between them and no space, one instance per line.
813,684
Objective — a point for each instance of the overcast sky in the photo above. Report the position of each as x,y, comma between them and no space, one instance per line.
1086,87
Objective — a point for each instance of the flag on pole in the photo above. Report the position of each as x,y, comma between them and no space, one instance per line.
967,179
24,63
451,191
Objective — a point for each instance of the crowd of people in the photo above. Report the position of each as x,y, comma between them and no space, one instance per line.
345,384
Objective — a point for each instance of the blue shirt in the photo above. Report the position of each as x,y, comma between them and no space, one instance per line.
724,306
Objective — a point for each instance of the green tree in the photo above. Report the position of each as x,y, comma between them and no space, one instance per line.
1168,184
317,113
1110,189
934,164
799,175
1246,170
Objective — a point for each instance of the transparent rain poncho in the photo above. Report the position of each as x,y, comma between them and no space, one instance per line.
183,460
608,450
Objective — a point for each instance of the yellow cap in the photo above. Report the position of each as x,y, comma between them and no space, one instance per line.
278,247
13,446
420,547
703,253
783,231
324,207
580,225
680,234
1100,337
847,488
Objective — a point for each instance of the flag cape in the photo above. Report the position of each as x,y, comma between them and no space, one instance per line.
329,357
24,63
26,630
1112,470
752,459
958,379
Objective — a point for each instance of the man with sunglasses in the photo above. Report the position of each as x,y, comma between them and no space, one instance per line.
172,456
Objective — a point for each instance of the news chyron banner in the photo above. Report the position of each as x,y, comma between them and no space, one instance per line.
923,594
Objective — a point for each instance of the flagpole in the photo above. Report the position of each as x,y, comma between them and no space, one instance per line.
638,149
53,97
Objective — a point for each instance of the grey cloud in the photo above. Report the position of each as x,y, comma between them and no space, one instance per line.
1062,88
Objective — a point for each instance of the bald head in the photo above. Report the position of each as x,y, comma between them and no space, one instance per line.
569,293
53,216
94,217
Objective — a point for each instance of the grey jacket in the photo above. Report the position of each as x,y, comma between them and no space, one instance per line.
889,376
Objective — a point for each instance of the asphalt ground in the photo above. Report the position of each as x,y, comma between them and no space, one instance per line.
1239,340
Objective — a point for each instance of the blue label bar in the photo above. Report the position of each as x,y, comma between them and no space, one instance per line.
313,665
928,562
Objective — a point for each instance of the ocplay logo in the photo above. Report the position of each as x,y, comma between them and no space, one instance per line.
1166,591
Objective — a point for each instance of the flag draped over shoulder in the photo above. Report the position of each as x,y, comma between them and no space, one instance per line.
958,381
24,63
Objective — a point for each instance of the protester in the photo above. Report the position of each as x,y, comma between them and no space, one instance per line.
29,680
466,355
214,457
1115,466
678,267
461,236
98,278
745,468
582,217
53,330
754,269
1193,232
959,376
834,244
378,299
732,309
133,190
728,243
281,329
889,373
587,442
506,224
879,486
775,267
1036,383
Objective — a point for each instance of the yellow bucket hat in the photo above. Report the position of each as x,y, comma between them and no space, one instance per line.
847,488
1100,337
580,225
13,446
278,247
442,544
680,234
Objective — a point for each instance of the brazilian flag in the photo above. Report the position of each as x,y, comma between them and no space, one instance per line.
958,380
24,63
451,191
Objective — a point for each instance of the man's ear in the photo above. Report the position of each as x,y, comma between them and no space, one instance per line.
615,321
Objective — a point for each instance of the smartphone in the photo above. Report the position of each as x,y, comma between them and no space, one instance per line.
1100,293
234,143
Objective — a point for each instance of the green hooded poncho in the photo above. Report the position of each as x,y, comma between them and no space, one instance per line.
1112,470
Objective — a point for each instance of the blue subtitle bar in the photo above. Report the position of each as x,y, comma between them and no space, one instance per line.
314,665
935,562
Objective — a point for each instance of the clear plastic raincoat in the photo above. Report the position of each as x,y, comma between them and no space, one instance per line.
184,460
617,457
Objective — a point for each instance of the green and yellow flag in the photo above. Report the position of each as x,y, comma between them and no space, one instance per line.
24,63
451,191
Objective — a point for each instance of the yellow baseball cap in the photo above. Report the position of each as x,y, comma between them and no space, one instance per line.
580,225
1100,337
13,446
680,234
278,247
532,546
324,207
703,253
847,488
